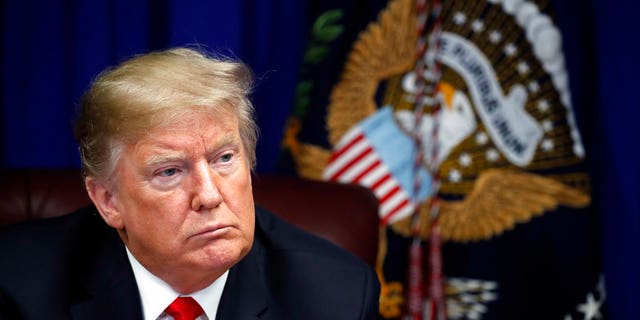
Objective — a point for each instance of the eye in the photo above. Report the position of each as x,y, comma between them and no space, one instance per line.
226,157
168,172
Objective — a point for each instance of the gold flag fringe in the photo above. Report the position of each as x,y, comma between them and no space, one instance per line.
311,161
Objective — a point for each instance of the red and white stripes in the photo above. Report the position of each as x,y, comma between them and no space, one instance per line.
356,161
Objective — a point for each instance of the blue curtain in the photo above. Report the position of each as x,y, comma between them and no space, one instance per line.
603,56
52,50
615,148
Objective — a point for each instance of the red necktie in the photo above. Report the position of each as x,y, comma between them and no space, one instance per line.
184,308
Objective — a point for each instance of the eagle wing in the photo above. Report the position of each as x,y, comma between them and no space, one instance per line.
386,48
499,200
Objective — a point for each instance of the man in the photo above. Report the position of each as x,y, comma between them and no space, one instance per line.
167,142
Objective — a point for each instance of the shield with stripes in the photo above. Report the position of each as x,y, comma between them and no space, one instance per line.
378,154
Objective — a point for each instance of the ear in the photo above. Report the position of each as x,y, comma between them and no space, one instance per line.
105,201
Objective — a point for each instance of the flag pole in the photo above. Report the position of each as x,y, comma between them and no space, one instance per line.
427,76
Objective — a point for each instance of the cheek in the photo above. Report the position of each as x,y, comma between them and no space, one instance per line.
153,214
240,201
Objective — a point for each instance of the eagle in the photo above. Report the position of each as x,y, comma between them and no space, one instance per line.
483,191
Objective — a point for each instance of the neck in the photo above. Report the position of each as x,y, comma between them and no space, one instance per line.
184,279
189,284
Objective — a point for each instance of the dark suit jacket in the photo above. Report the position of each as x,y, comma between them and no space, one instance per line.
75,267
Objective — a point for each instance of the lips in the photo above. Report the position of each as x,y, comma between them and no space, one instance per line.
212,231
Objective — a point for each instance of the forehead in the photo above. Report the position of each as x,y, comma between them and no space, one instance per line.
190,132
186,117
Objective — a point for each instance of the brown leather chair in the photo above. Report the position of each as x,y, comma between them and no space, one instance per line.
344,214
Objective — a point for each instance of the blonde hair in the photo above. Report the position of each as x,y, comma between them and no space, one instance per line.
154,90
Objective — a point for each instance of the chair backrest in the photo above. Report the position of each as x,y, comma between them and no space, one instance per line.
346,215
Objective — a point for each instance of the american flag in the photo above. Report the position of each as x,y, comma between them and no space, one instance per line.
377,154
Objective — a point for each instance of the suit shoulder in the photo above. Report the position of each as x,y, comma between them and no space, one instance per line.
50,264
43,229
47,240
299,264
279,237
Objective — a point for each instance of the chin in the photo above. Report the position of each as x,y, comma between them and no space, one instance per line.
222,255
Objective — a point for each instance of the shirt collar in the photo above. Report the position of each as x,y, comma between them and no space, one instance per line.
156,294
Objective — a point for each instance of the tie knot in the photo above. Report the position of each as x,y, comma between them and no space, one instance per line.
184,308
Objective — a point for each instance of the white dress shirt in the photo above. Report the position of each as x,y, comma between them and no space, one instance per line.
156,295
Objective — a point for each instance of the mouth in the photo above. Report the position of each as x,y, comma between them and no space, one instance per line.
212,231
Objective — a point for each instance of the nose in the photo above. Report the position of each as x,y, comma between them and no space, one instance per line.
206,194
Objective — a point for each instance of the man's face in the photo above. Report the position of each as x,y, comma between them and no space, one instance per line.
182,200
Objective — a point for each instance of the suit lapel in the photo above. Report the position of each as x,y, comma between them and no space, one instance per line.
108,288
121,301
245,294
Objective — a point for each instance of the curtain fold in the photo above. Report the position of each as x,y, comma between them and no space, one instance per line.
615,147
53,49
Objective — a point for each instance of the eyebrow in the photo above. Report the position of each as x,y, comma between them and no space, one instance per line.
225,140
163,158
